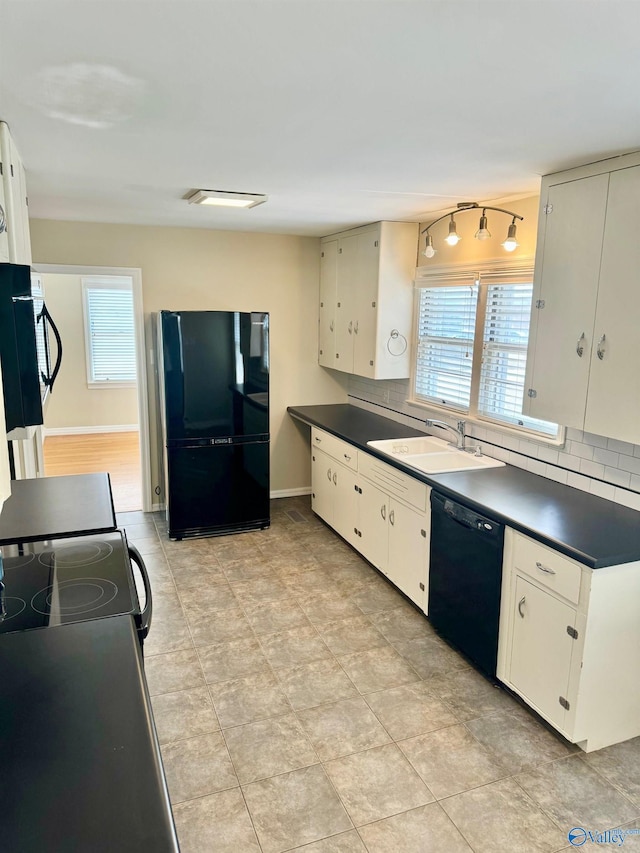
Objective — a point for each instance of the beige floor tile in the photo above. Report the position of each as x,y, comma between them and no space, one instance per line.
288,648
377,783
256,591
451,760
309,684
184,714
328,607
501,818
246,700
167,673
269,617
517,741
269,747
346,636
218,822
620,764
197,766
573,794
345,842
219,627
430,656
410,710
423,830
295,809
341,728
233,659
470,695
377,669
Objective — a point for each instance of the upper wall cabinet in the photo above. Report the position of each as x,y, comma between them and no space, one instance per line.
366,299
15,243
583,346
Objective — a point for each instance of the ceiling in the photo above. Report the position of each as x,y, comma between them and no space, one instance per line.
342,111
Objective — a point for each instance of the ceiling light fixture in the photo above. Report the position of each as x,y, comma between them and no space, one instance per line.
221,198
482,233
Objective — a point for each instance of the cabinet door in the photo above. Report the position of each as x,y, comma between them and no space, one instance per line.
613,401
541,649
322,488
373,514
4,238
328,299
569,263
346,302
345,513
15,196
409,552
364,352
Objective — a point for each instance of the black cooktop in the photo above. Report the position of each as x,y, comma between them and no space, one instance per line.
61,581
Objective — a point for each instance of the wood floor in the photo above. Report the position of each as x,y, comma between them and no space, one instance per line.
115,452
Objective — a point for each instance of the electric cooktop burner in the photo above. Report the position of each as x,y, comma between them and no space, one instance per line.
67,580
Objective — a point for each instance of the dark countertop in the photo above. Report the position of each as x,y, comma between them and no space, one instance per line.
80,765
592,530
57,507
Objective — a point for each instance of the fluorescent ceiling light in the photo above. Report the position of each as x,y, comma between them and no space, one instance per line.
220,198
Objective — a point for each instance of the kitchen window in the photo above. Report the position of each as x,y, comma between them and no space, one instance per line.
471,350
109,331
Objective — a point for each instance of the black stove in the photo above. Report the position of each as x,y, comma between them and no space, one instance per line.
56,582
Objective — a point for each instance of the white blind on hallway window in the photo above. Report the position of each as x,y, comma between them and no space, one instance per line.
504,356
111,345
446,325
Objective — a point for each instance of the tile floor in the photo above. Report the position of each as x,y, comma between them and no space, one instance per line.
302,704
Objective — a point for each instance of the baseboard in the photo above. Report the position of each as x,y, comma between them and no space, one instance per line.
290,493
157,507
87,430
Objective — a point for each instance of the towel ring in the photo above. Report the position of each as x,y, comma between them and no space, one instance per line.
398,348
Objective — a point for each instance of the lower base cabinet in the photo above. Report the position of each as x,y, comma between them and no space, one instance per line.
569,642
379,510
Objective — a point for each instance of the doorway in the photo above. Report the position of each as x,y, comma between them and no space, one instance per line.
97,417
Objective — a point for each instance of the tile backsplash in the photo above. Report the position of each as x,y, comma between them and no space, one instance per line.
602,466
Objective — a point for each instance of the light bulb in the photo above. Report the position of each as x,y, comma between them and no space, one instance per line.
483,232
511,243
452,237
429,251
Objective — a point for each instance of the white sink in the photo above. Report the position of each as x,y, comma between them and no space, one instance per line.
397,447
432,455
452,460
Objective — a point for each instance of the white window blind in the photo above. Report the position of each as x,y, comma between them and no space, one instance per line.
446,325
484,376
110,331
504,356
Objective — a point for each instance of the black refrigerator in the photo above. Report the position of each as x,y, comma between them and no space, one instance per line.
214,399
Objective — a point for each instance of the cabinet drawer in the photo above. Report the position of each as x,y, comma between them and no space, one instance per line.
549,568
394,482
341,450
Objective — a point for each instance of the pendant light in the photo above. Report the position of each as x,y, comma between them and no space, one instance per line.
511,243
452,238
483,232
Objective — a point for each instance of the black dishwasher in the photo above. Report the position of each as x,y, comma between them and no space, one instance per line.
465,575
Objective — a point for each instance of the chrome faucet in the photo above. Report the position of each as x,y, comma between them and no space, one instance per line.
458,430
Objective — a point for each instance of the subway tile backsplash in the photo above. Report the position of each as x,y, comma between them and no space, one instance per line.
593,463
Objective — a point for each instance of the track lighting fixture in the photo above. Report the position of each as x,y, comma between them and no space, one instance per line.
482,233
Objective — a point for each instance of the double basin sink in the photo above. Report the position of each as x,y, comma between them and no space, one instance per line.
433,455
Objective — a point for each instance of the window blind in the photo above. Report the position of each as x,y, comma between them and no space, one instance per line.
504,356
446,324
111,333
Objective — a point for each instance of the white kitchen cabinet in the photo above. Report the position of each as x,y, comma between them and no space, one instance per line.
4,236
328,299
566,632
393,516
372,278
15,199
333,493
408,564
378,509
582,345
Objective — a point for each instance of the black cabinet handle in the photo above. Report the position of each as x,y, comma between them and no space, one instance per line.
44,315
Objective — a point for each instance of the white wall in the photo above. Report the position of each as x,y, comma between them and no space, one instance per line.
225,270
73,403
